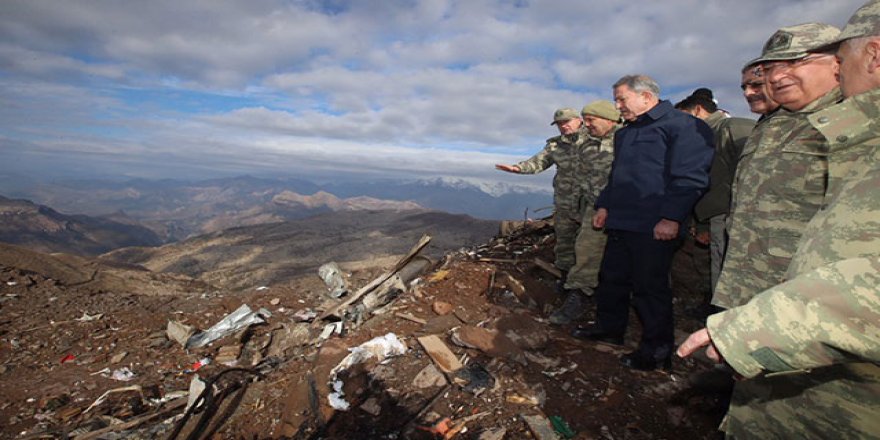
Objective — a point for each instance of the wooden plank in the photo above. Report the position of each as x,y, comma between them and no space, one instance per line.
412,318
548,267
375,283
440,353
498,260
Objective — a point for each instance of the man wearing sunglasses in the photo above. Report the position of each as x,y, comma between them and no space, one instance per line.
807,348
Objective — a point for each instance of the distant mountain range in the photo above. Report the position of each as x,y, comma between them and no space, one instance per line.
43,229
177,209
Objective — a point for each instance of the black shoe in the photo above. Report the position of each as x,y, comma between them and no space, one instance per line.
594,333
639,360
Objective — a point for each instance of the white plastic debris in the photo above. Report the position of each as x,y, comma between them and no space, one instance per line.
261,288
380,347
123,374
242,318
335,398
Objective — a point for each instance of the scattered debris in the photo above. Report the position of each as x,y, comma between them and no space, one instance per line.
440,353
540,427
474,378
378,281
118,357
332,276
87,318
442,308
412,318
379,348
548,267
123,374
305,315
241,318
429,377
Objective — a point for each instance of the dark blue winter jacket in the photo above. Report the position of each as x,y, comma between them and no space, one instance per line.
660,170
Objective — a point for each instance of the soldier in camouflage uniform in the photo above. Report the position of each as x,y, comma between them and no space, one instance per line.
809,346
712,209
782,174
563,151
601,120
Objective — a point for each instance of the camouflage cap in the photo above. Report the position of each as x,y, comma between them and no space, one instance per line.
796,42
865,22
601,108
564,114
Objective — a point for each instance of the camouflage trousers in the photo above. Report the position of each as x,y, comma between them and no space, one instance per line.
566,224
589,247
717,245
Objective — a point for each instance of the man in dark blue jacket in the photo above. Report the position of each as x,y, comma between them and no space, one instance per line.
661,168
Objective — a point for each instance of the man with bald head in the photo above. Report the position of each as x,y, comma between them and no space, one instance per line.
783,171
807,348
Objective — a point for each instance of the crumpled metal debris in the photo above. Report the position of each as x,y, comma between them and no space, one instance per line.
240,319
332,276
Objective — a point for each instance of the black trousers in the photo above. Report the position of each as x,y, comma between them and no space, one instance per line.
637,266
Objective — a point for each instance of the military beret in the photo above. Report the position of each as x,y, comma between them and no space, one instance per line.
601,108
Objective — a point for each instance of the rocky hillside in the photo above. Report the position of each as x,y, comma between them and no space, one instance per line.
41,228
272,253
478,359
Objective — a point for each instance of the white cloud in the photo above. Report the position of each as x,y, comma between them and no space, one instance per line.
385,86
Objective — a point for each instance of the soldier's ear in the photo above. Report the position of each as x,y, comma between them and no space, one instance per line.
872,54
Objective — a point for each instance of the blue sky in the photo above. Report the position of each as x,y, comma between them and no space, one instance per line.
362,89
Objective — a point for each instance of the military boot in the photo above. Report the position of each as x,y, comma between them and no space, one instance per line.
571,309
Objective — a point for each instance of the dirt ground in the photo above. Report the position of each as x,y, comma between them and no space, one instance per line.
62,347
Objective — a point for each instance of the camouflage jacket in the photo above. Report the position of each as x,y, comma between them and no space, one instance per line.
564,152
780,183
595,163
822,328
730,139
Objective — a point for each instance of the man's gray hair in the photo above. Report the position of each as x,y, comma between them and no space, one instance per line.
639,83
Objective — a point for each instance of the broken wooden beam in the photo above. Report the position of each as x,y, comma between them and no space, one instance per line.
335,311
412,318
548,267
440,353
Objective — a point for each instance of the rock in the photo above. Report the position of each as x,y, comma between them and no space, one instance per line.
228,354
179,332
440,324
442,308
275,301
382,372
372,406
429,377
493,434
118,357
491,342
288,338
